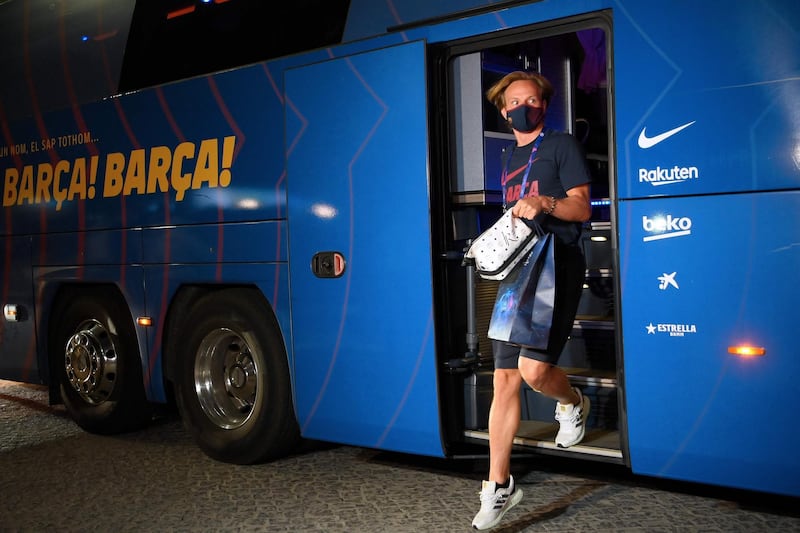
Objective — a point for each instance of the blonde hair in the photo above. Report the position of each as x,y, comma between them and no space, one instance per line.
496,93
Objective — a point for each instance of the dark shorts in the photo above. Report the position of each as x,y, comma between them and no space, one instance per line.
570,275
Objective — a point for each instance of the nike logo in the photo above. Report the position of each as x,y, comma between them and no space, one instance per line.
649,142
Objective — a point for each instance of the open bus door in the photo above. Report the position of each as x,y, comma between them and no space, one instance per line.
359,244
582,106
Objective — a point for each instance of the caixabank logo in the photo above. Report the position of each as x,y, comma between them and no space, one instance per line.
659,227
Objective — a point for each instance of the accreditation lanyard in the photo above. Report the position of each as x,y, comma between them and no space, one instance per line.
504,176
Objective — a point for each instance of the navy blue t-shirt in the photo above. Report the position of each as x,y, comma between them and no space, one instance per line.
558,165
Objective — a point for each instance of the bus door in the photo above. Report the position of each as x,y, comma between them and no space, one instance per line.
708,233
706,284
360,250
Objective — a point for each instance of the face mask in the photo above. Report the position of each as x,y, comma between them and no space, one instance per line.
525,118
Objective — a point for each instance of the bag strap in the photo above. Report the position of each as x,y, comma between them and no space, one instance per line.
504,175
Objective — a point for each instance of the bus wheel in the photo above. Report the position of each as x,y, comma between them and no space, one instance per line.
98,363
233,388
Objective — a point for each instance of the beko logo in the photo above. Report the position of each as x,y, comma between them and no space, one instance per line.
666,227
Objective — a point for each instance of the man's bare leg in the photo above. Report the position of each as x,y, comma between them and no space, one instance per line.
504,418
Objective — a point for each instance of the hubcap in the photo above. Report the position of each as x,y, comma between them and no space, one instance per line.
91,362
226,376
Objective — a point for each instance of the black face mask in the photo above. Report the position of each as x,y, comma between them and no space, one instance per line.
525,118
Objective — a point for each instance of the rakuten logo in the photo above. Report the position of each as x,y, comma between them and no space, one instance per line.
665,176
666,227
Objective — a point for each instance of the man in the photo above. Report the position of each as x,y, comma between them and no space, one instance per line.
545,177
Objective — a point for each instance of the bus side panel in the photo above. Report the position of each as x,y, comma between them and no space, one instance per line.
245,242
250,254
367,17
203,150
358,185
199,151
710,108
18,348
51,275
163,281
722,274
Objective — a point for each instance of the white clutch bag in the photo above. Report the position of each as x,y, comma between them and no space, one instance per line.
496,251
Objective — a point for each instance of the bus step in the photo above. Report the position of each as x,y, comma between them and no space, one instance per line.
587,377
536,436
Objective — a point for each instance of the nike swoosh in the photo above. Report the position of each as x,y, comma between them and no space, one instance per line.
649,142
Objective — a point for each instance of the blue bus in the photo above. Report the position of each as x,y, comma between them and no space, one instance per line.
260,215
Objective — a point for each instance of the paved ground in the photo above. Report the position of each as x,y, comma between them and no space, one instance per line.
55,477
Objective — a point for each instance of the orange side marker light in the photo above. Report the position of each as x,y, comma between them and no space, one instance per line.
747,351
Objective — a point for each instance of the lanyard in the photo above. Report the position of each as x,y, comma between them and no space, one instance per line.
504,175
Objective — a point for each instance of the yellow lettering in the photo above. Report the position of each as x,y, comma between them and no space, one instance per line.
92,175
10,187
44,180
207,168
160,161
77,186
59,194
181,182
228,145
136,177
160,169
26,186
112,186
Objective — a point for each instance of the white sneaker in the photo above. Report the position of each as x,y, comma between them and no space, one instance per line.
572,419
495,502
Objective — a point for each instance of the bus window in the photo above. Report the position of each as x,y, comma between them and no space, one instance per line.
184,38
60,54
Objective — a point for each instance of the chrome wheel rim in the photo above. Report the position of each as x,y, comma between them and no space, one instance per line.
91,362
226,378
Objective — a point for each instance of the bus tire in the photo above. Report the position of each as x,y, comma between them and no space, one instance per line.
96,357
233,388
